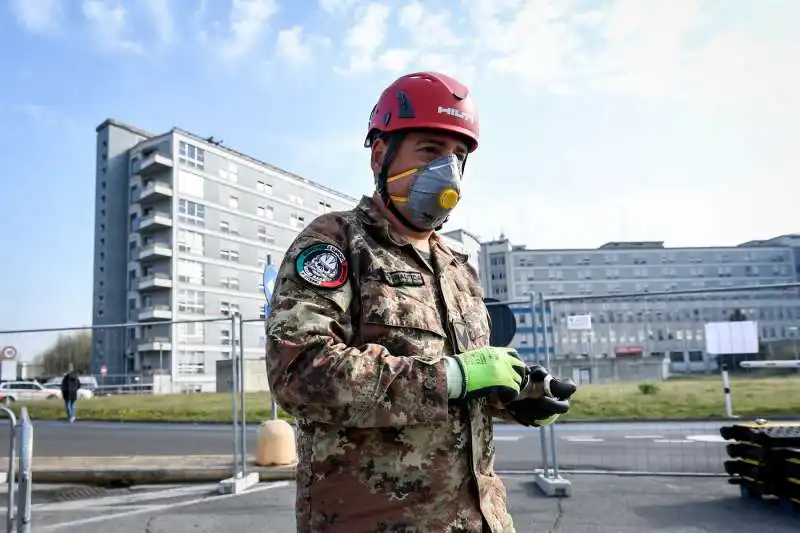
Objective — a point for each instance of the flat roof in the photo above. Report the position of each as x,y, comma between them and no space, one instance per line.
205,140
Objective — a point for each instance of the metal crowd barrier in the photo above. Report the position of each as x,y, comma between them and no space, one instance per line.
19,476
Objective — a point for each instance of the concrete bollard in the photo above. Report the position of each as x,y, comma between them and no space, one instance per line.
276,444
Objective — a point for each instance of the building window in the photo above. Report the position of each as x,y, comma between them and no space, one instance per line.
191,362
191,301
229,283
191,272
266,212
234,202
229,255
296,199
225,337
192,213
231,173
191,332
228,308
296,221
263,187
190,242
191,155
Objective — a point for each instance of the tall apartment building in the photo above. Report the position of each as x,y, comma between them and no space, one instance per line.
659,326
184,228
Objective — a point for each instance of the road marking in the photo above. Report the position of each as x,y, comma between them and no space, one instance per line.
671,441
651,437
706,438
583,439
83,504
156,508
511,438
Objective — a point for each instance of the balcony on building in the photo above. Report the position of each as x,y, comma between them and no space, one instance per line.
154,163
155,282
152,313
155,191
155,221
154,344
155,251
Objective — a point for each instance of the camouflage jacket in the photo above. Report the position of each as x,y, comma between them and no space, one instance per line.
355,338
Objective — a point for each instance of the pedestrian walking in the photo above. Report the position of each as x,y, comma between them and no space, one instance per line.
69,393
378,341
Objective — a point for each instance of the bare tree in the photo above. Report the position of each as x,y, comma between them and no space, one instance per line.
69,351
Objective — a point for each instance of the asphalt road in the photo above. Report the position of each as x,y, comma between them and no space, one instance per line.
656,447
599,504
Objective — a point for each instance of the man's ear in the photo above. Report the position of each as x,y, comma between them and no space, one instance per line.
377,156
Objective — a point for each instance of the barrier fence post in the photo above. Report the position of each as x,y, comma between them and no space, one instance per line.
25,486
242,400
240,480
555,485
542,436
12,470
726,390
234,391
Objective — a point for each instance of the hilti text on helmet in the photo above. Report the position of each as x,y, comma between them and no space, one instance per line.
456,113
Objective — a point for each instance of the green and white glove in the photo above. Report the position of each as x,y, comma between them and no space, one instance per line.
489,371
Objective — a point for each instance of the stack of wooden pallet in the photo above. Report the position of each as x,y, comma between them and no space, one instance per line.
765,460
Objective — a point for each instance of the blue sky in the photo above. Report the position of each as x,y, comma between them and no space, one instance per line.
675,120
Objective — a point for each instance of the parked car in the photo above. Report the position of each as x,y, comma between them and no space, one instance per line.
86,392
25,391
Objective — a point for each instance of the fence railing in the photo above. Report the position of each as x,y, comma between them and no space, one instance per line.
19,472
648,337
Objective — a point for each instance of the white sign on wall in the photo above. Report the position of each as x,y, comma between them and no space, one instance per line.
579,322
731,337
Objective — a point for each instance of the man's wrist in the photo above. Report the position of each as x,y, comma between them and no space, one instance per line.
455,378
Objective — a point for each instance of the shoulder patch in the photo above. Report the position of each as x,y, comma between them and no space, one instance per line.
322,265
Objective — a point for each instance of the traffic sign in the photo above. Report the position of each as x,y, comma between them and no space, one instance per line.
9,352
504,323
270,275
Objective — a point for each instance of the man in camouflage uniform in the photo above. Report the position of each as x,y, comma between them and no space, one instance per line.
378,340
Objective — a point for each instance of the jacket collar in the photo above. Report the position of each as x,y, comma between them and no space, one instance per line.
369,212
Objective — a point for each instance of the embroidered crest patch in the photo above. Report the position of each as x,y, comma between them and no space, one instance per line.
322,265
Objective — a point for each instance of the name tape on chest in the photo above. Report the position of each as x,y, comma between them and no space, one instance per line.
403,278
322,265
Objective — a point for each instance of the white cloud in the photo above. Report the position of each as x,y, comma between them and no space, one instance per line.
298,48
38,16
337,6
397,60
365,37
426,28
161,14
248,21
108,21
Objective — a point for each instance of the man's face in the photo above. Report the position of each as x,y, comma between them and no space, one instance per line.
417,150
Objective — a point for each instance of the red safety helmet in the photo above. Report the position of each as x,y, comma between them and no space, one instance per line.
425,100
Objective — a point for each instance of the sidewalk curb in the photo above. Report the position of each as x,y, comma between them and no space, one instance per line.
121,476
